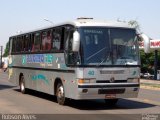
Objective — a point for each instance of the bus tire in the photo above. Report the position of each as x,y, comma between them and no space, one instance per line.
60,94
22,85
111,102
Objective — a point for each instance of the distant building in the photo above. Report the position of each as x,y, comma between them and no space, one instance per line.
154,44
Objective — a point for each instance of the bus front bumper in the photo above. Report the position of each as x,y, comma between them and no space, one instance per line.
108,91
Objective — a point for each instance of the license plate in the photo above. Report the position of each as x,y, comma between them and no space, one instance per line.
110,96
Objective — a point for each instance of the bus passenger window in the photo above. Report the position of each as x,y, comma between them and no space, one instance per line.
71,57
57,39
18,48
49,39
37,42
22,42
14,45
46,40
26,39
30,42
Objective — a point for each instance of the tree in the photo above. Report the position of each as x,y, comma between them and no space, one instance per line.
135,24
6,51
147,60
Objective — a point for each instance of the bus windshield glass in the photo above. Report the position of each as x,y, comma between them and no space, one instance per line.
109,46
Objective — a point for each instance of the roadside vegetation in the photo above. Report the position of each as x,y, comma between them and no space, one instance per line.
150,86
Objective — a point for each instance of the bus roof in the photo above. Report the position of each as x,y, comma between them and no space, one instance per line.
84,22
106,23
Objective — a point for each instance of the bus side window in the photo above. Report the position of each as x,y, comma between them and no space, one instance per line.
70,41
30,43
68,48
46,40
62,39
22,42
57,37
49,40
14,45
67,34
26,39
36,42
10,45
18,47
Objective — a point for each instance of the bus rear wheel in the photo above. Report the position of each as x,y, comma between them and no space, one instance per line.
111,102
22,85
60,94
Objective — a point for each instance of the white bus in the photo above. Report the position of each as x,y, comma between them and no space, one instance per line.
81,59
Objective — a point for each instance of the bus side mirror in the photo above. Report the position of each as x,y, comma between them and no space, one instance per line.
76,41
146,40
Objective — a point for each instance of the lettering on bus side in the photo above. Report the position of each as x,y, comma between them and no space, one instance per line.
38,58
40,77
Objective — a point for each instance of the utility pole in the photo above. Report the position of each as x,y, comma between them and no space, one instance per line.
1,54
155,64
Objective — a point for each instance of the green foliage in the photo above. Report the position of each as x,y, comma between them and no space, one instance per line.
147,62
135,24
6,51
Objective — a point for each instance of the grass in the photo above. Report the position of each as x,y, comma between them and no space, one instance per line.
151,85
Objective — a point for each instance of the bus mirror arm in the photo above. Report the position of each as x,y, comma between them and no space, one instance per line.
146,40
76,41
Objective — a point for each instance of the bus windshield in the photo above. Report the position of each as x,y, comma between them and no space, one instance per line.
109,46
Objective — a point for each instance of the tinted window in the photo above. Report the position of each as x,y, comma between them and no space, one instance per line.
37,42
26,41
57,39
46,40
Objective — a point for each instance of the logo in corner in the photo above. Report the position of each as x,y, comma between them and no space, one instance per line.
112,80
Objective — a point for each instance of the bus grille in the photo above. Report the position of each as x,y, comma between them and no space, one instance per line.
111,91
108,81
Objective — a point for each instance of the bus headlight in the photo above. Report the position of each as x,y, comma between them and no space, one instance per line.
133,80
81,81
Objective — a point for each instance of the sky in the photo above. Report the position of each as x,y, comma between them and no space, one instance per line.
25,15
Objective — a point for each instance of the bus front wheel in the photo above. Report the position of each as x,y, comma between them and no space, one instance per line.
60,94
22,85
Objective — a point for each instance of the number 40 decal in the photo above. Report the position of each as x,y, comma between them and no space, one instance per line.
91,73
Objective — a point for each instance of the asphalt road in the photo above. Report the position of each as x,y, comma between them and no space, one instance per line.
13,102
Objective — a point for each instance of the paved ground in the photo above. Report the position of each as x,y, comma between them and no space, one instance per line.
12,101
150,84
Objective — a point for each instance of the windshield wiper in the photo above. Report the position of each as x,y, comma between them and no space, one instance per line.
96,53
106,58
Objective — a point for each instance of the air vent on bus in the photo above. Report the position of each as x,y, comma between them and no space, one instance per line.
108,81
111,91
82,18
